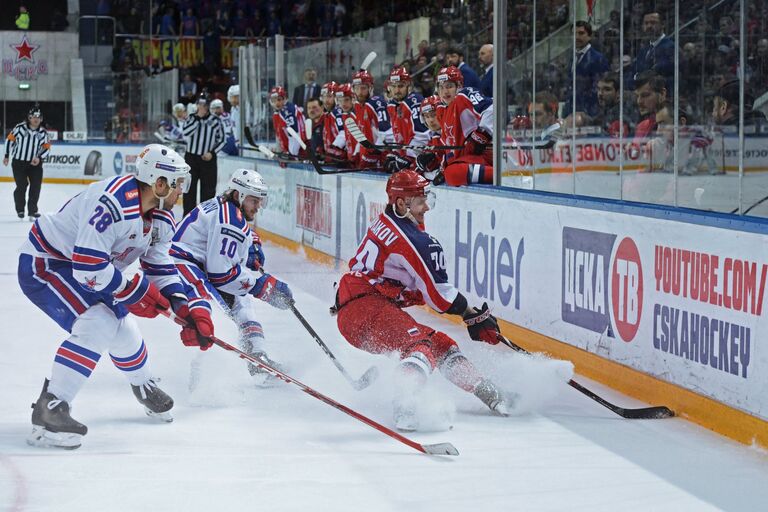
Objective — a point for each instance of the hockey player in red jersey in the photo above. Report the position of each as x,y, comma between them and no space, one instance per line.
332,123
403,111
371,116
467,120
397,265
285,114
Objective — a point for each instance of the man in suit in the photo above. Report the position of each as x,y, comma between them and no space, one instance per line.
309,89
485,56
658,55
590,66
455,57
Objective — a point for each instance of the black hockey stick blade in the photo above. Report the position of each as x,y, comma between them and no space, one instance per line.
528,147
440,449
642,413
322,170
249,136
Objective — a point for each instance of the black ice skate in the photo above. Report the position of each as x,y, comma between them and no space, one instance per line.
491,396
52,426
156,402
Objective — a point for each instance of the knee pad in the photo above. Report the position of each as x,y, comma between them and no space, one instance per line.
442,345
420,354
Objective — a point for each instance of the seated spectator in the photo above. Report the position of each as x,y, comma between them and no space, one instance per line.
187,89
543,115
693,152
455,57
608,111
651,95
725,107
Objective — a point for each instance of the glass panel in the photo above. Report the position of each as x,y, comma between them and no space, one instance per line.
755,181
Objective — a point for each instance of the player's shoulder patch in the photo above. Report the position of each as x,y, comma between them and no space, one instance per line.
125,190
230,214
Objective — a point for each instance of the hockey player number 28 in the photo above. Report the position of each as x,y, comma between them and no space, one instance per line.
369,251
100,219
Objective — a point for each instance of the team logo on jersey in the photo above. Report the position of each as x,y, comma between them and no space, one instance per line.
91,283
131,194
245,284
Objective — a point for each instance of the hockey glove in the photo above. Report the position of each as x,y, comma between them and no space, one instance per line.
196,324
427,162
482,325
477,142
255,257
395,162
272,291
410,298
142,298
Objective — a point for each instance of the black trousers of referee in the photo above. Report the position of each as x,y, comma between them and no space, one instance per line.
25,173
203,172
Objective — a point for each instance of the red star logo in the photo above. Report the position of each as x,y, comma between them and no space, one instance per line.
24,50
245,285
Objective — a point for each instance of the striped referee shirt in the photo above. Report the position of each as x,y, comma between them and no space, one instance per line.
204,134
24,143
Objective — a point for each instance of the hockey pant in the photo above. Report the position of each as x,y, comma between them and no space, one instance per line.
375,324
93,321
239,308
463,173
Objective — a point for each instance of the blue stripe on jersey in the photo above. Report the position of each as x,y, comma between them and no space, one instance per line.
185,223
179,253
230,214
424,244
164,216
224,278
126,192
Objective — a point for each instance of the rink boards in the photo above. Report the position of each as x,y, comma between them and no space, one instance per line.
676,300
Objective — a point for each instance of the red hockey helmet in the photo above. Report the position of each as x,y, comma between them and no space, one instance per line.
328,88
450,74
408,183
344,90
521,122
362,78
278,92
430,104
399,74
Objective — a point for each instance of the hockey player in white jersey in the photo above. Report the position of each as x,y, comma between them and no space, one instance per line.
73,267
233,97
217,259
217,109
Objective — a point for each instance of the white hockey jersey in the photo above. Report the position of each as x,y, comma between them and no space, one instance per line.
102,231
229,124
215,238
234,118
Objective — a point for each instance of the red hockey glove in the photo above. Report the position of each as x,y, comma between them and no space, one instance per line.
142,298
482,325
477,142
410,298
196,325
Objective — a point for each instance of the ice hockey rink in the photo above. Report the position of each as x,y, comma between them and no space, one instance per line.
234,446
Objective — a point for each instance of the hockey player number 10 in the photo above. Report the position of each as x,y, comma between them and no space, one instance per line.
228,248
100,219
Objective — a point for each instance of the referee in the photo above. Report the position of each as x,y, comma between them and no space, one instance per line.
28,144
204,133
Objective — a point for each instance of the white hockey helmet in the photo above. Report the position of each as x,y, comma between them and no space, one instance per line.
191,108
217,104
179,107
248,182
157,161
233,91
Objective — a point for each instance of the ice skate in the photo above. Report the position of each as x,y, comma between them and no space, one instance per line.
262,377
52,426
156,402
404,416
491,396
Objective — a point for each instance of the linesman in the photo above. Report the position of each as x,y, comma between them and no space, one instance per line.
28,144
205,138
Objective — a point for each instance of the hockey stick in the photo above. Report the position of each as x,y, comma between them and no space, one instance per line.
643,413
430,449
367,61
736,210
268,152
529,147
359,384
360,137
314,160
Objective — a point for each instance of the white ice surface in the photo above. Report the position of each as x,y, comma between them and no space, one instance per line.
234,447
